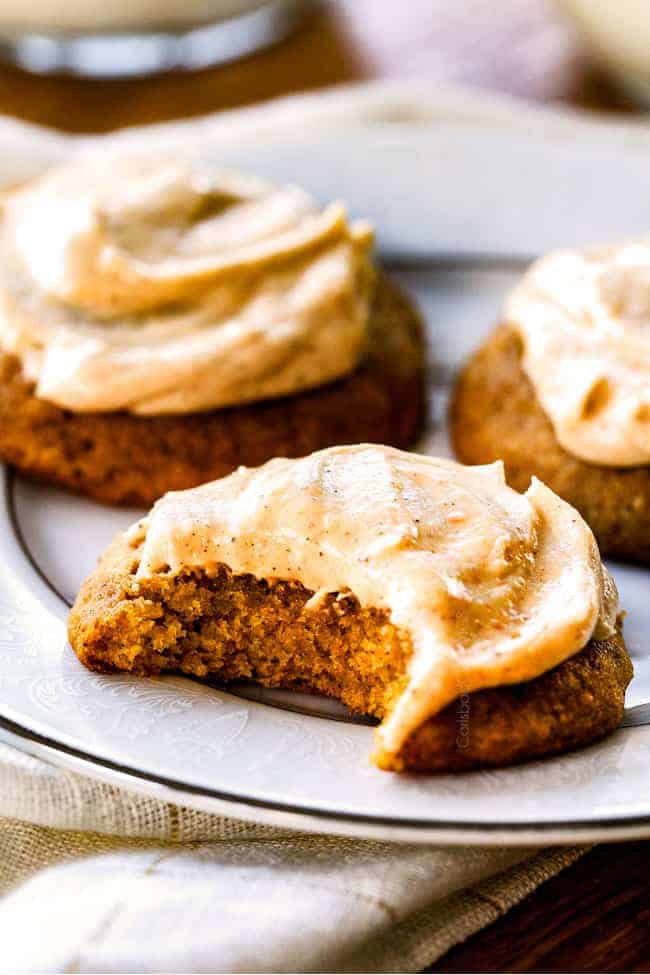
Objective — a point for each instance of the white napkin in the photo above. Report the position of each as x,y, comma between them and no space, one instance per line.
93,878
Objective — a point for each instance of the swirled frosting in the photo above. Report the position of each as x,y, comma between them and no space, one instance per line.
584,320
494,587
160,286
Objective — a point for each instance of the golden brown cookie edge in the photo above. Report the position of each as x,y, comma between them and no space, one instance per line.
495,415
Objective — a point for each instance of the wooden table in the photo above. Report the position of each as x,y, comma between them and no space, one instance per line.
595,916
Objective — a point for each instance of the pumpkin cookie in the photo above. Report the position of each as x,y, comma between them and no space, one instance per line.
562,390
175,322
385,580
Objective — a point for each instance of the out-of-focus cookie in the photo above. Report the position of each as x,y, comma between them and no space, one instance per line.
162,322
561,390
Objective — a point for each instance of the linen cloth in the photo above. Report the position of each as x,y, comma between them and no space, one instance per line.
94,878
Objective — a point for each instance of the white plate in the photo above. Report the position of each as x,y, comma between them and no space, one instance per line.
463,189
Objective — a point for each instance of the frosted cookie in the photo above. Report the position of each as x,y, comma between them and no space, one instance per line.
476,623
562,390
162,322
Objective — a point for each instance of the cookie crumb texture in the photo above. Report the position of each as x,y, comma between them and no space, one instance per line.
235,627
496,414
123,459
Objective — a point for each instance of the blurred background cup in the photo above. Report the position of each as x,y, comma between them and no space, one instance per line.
127,38
617,32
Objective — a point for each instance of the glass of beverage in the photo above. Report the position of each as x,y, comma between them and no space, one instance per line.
127,38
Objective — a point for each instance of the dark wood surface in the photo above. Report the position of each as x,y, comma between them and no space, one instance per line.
595,916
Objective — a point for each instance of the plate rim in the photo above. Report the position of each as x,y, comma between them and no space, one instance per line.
285,815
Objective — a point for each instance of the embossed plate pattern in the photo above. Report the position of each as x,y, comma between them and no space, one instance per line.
462,190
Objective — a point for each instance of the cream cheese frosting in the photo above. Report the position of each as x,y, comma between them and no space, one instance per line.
494,587
161,286
584,320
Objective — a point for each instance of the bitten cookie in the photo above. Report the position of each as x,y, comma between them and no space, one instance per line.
392,582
